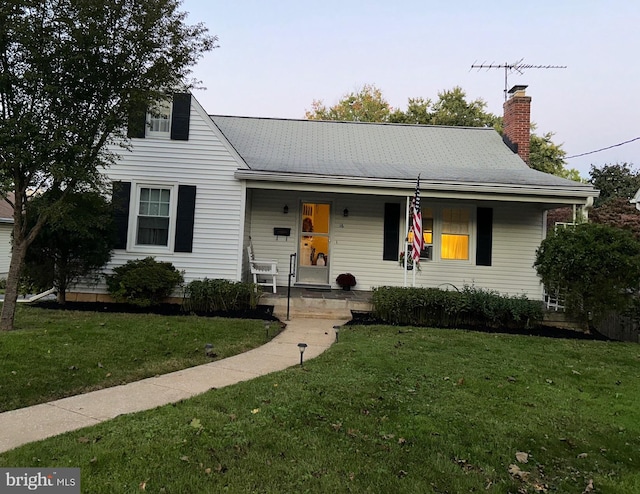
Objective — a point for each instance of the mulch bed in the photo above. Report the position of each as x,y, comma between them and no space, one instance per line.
264,312
366,318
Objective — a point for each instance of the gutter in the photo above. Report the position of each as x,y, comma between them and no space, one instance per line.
582,192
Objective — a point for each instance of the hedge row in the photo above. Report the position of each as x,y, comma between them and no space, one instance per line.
219,296
147,282
469,307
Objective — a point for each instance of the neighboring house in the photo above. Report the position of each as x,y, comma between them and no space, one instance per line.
196,188
6,228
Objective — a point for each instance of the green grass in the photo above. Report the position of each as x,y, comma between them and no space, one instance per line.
383,410
53,354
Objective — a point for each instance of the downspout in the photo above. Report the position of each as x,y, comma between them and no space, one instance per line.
37,297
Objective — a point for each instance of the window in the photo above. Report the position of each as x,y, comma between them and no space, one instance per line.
169,119
154,218
154,210
427,234
159,121
455,234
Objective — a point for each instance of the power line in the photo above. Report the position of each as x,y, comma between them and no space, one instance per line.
603,149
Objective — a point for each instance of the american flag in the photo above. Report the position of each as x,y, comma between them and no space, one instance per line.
417,225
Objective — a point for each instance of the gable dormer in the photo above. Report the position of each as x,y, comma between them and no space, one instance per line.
170,120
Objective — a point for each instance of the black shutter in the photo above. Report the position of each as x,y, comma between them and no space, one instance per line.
137,122
391,231
120,201
180,116
485,236
185,218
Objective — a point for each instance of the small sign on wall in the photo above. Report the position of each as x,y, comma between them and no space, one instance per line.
282,232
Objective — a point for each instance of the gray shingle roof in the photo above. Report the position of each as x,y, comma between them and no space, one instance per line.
6,211
380,151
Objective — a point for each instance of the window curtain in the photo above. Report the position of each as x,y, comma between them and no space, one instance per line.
455,233
455,247
153,230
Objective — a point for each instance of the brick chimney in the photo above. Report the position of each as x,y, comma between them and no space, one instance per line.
517,122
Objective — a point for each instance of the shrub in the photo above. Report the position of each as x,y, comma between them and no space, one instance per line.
219,296
471,307
598,265
143,282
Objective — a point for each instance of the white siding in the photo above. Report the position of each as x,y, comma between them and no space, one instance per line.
5,248
517,233
357,243
266,213
227,215
205,162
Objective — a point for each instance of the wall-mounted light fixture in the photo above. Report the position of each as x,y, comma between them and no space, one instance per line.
345,213
285,210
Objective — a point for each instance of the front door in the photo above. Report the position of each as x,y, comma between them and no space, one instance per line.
313,250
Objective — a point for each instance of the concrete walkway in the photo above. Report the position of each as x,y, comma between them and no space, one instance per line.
18,427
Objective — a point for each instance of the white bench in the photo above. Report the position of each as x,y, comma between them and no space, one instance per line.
264,271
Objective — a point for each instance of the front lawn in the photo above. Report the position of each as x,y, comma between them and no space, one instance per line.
54,353
386,410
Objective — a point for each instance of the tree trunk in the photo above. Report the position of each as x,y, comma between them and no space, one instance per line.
61,296
18,253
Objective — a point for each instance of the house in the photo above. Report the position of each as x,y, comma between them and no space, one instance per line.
6,230
196,189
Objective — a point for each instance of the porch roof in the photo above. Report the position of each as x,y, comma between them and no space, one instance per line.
384,152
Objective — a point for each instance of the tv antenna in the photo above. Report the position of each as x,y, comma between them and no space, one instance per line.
509,68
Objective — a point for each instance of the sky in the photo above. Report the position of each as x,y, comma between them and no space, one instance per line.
276,56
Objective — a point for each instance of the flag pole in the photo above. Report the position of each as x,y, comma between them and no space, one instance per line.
415,268
418,239
406,241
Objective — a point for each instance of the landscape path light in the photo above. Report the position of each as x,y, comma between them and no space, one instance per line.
337,330
302,347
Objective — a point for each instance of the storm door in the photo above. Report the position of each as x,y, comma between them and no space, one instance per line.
313,251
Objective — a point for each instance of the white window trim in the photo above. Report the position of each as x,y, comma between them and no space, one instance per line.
134,208
163,105
437,247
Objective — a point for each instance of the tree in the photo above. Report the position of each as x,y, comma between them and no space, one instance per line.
548,157
614,181
75,242
418,112
617,212
365,105
617,184
451,108
597,265
71,72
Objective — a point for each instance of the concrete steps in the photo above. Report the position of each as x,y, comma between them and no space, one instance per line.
317,304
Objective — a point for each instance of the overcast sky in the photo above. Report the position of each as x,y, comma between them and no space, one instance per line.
277,56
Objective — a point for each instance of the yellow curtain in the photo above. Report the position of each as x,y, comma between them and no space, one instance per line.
455,247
